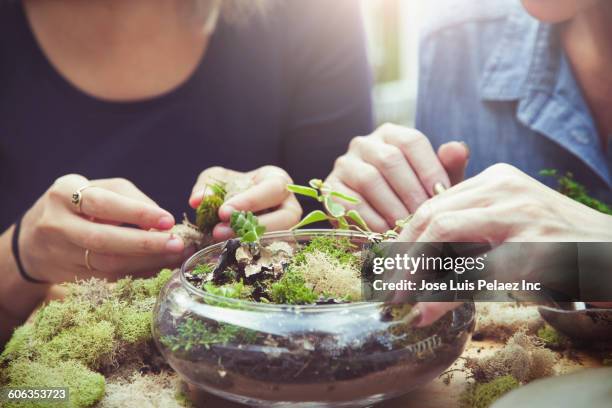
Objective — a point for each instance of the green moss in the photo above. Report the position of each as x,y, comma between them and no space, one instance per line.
236,290
193,333
128,289
85,387
482,395
551,337
86,331
291,289
20,344
89,344
207,213
135,326
340,249
57,316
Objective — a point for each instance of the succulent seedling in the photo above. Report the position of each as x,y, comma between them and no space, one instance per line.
246,226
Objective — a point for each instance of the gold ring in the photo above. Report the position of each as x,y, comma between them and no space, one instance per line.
77,198
87,264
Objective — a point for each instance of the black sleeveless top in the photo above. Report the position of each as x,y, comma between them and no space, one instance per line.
289,89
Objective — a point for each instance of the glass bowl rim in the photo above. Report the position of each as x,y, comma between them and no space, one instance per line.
275,306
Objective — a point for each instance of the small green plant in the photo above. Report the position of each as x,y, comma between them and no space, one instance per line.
203,269
192,333
246,226
207,213
483,395
336,213
551,337
576,191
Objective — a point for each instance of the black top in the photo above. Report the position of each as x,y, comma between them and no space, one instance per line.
289,89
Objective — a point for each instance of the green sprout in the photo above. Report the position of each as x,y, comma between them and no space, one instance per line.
576,191
336,213
246,226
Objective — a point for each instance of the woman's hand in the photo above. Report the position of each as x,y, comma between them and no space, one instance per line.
268,197
501,204
55,234
393,171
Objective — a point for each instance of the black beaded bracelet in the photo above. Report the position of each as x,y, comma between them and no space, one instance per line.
15,248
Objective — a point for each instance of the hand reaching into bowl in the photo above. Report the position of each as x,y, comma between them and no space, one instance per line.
77,229
393,171
502,204
268,197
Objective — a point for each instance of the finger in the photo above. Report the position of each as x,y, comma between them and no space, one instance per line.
124,187
267,193
371,185
206,178
110,239
393,165
110,206
471,225
420,154
454,157
284,218
430,312
222,232
373,220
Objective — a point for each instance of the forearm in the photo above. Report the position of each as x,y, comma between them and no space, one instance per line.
18,298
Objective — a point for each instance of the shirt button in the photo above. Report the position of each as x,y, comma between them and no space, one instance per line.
581,136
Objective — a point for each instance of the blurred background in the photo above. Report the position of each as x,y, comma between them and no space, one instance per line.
392,32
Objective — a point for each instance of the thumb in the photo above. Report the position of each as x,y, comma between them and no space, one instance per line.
454,156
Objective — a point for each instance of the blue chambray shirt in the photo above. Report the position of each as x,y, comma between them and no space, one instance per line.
498,79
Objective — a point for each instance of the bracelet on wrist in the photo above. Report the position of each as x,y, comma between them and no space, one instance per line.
16,255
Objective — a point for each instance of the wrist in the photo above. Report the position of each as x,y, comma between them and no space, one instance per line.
18,297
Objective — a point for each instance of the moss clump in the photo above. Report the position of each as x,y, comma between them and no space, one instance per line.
85,387
89,344
236,290
339,249
483,395
20,345
291,289
93,329
207,213
551,337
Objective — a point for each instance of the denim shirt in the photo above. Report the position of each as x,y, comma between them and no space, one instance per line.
496,78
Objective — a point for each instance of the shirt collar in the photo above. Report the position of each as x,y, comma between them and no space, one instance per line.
528,66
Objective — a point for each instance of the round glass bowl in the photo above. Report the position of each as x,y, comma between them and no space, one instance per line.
353,354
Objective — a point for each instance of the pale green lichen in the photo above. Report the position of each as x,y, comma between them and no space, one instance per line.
93,329
85,387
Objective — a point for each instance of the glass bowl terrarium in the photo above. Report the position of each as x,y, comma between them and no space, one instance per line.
239,321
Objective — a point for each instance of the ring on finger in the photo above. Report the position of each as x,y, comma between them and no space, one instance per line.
77,198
